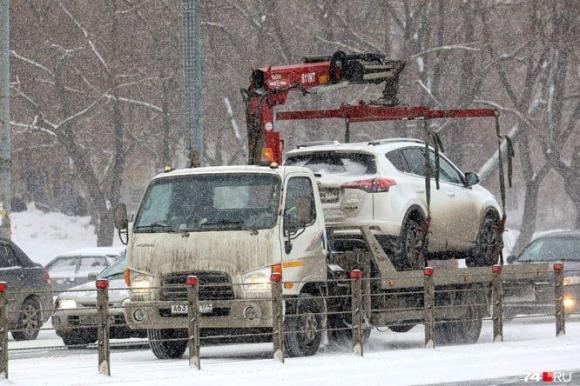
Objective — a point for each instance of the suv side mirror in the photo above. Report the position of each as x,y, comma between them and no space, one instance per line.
510,259
471,179
92,276
120,217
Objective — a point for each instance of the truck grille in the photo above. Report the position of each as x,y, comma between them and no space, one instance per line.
213,286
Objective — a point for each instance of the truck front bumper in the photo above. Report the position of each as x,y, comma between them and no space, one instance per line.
227,314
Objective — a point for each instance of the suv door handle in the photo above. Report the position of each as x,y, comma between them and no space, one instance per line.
451,194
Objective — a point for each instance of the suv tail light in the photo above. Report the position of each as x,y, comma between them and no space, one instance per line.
372,185
47,279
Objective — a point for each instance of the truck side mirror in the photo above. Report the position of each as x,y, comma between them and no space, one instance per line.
92,276
471,179
120,217
304,210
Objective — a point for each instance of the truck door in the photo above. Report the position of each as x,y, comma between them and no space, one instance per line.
305,246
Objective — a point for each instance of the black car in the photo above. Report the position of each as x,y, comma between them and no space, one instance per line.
28,294
551,248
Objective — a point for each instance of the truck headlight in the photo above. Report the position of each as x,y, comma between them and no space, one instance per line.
66,304
572,280
257,281
140,282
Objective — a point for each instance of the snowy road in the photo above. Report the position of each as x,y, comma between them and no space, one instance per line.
390,359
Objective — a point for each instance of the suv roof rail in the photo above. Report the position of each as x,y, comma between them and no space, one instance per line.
317,143
389,140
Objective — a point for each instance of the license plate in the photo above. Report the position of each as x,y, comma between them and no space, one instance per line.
181,309
329,195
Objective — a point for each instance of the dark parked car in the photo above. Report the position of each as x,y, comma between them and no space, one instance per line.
28,294
551,248
73,268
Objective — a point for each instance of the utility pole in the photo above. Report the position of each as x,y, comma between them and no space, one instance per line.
192,68
5,147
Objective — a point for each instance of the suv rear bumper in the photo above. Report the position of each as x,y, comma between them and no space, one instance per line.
237,313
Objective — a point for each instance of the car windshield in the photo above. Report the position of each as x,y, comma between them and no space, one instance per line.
355,164
115,269
552,249
206,202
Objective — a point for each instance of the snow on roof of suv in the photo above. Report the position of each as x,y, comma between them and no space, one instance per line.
375,146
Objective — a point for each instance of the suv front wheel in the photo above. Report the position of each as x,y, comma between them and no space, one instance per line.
488,246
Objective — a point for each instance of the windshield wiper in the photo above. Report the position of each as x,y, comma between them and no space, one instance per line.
223,222
156,227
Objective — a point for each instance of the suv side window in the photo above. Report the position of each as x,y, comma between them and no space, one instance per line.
398,161
447,172
7,257
300,187
415,160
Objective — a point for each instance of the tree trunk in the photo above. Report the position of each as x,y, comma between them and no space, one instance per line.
105,228
528,226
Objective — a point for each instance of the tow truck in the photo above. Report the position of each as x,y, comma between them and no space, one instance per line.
234,226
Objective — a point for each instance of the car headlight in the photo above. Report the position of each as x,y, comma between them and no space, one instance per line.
257,281
569,303
66,304
572,280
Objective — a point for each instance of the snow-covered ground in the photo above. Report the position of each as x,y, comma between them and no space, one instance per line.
390,359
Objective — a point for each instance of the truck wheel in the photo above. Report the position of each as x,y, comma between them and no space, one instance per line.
343,336
28,321
304,327
488,246
410,254
77,339
163,346
465,330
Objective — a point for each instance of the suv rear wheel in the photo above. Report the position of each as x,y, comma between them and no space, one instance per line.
411,243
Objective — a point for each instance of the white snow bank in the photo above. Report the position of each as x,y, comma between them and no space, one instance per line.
44,235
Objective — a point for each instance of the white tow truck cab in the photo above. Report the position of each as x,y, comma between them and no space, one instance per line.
231,227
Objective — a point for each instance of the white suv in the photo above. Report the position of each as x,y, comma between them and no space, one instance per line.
381,184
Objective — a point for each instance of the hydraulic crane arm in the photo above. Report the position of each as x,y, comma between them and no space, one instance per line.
270,87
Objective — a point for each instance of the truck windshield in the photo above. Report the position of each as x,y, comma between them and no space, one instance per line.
206,202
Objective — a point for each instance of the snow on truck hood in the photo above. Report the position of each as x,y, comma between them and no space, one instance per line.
232,252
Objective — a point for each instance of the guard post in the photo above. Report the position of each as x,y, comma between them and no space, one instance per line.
3,331
103,327
357,311
559,299
278,316
497,303
193,342
429,306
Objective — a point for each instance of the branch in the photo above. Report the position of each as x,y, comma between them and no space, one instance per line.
445,48
420,82
31,62
34,127
87,38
